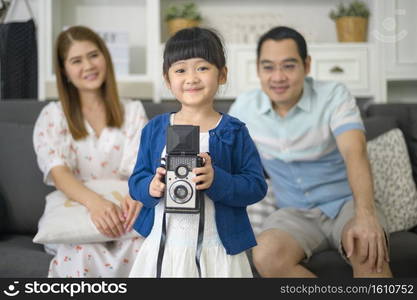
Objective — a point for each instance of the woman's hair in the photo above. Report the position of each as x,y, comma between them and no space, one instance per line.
281,33
68,93
192,43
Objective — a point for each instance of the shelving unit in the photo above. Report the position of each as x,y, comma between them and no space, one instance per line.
367,66
241,23
133,18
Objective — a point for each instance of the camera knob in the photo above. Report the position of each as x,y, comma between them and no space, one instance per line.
181,171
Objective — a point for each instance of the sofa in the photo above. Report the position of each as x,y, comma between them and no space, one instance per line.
22,191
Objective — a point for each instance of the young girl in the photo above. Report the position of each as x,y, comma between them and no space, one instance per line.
90,134
231,178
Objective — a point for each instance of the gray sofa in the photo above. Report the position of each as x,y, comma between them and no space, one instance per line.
22,191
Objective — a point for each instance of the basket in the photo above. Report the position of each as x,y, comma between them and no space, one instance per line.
175,25
352,29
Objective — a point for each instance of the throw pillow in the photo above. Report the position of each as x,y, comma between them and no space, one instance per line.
395,189
259,211
66,221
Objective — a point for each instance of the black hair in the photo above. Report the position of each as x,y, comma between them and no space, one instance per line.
192,43
281,33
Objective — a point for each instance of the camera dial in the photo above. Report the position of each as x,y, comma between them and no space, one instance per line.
181,171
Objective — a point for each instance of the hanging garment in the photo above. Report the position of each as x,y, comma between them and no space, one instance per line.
18,61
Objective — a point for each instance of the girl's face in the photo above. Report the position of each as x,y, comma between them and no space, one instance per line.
85,66
194,81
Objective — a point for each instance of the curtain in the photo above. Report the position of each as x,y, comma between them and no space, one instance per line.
18,61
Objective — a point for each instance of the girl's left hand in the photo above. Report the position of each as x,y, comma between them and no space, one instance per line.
130,209
205,174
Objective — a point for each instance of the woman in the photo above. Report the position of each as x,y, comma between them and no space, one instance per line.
90,134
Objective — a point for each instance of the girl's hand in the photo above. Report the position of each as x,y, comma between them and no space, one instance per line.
130,209
205,174
157,186
106,216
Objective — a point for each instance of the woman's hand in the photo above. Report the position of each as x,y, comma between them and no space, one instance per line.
205,174
130,209
157,186
107,216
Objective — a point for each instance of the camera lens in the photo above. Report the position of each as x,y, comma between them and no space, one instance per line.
181,192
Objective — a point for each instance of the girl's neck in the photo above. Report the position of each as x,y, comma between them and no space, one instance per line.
205,117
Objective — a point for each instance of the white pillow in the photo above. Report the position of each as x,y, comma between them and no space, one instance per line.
395,190
65,221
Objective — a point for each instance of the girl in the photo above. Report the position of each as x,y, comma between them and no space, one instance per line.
231,178
90,134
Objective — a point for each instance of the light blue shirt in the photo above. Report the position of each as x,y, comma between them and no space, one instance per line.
299,151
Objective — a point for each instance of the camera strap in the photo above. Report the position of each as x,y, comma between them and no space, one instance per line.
200,236
161,247
199,241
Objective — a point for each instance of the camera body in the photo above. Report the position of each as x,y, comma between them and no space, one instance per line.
183,145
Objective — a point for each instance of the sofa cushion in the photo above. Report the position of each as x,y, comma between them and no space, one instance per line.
2,213
403,259
20,179
20,258
395,189
375,126
20,110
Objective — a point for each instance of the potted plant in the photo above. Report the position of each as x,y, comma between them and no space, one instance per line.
351,21
180,16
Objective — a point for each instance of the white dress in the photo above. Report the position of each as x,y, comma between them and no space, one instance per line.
112,155
181,243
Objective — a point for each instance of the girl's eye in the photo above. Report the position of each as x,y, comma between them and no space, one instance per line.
76,61
202,68
268,68
179,71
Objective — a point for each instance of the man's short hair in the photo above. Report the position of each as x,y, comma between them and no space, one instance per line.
281,33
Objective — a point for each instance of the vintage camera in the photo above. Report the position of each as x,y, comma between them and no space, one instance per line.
183,145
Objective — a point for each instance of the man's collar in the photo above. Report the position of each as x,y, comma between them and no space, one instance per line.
305,101
265,104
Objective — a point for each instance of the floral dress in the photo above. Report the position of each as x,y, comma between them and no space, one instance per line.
112,155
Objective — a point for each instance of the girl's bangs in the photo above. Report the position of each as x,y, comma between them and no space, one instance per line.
187,49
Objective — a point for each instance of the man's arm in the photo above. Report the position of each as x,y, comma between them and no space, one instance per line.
365,226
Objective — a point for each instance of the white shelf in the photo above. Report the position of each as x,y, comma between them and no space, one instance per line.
240,23
134,18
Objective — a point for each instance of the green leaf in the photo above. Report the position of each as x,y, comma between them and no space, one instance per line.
355,9
187,10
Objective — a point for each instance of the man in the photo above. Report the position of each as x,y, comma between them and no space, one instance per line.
310,136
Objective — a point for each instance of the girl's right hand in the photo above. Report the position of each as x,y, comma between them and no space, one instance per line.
157,186
107,217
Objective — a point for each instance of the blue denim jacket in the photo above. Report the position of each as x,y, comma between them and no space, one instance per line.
238,179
